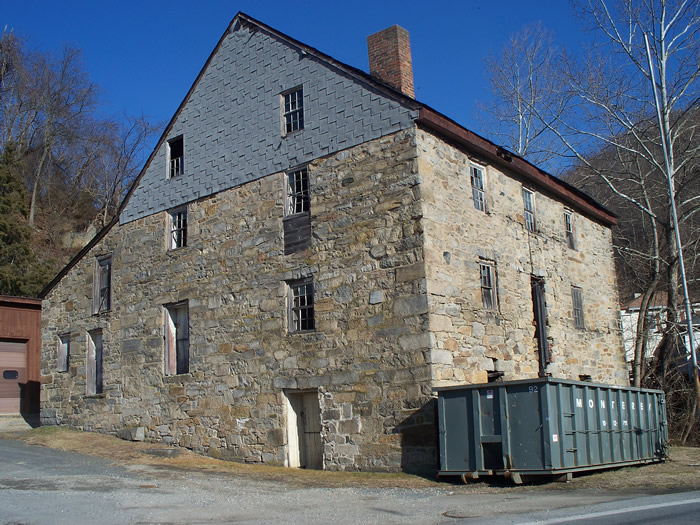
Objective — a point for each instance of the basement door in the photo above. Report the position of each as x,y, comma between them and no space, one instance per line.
13,373
304,430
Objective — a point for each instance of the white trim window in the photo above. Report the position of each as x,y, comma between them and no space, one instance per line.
577,300
478,194
529,207
292,110
298,196
301,306
176,157
102,285
569,229
489,297
177,339
177,228
63,353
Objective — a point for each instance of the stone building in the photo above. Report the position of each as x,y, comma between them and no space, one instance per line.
307,253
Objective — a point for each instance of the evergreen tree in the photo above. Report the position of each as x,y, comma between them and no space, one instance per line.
21,273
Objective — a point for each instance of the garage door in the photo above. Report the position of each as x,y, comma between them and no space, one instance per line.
13,372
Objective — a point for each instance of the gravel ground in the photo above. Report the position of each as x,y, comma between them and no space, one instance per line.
39,485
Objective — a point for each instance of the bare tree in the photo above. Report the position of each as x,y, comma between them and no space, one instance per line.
75,165
604,108
522,77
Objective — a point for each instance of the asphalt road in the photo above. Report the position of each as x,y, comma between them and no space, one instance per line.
45,486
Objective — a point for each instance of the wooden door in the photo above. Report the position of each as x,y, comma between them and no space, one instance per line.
305,431
13,373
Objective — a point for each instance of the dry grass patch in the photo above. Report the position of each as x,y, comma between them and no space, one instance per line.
680,472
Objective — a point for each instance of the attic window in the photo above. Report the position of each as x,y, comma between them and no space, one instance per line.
293,110
176,157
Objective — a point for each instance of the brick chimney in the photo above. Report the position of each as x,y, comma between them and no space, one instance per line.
390,58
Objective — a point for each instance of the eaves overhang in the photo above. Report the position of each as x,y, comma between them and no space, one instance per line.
450,130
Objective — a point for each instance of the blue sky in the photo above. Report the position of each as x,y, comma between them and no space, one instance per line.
145,54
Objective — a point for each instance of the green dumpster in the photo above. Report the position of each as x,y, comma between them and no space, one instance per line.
547,426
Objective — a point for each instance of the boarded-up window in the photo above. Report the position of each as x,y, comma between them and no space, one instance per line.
102,285
63,354
177,339
94,362
488,285
577,298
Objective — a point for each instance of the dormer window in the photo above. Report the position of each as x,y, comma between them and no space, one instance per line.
292,110
176,157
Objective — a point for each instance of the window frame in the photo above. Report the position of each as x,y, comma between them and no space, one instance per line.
175,166
489,285
63,353
298,192
292,110
102,295
94,371
478,193
529,209
569,228
176,349
577,307
177,231
296,323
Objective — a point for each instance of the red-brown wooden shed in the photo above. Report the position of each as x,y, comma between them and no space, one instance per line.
20,350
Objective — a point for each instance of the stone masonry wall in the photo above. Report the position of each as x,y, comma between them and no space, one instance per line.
366,359
470,341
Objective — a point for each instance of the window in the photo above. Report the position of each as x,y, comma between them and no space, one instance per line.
177,228
298,199
293,110
297,219
529,203
176,157
177,339
94,362
488,285
569,228
577,297
102,285
477,176
301,306
63,353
